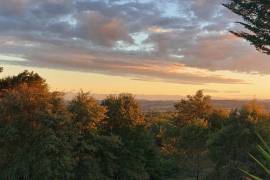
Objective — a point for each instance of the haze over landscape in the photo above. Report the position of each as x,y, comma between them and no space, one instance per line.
158,49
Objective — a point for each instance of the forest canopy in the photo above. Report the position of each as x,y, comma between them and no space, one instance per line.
44,136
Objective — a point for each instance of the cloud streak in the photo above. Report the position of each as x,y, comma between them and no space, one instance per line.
144,40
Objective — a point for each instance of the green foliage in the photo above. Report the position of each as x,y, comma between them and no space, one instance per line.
94,154
86,112
29,78
138,157
217,119
122,112
44,137
197,107
256,17
264,152
192,150
229,147
185,138
33,145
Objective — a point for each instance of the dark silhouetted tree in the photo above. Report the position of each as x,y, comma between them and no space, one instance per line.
26,77
256,15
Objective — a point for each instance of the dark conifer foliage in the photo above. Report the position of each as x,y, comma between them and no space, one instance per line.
25,77
256,15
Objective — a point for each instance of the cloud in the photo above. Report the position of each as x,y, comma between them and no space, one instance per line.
101,30
13,7
129,66
225,52
85,35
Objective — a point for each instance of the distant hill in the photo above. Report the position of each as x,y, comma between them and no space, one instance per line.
152,105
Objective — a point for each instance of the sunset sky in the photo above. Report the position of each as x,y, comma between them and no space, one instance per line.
144,47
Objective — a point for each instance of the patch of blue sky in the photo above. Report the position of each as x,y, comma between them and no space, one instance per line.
119,2
69,19
122,2
169,9
175,9
144,1
138,45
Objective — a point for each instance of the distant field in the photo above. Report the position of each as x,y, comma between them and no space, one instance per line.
152,105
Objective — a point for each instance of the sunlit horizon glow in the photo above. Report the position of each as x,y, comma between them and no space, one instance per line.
99,84
162,50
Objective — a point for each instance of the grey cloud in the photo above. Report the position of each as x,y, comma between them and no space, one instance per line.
225,52
85,33
105,65
13,7
101,30
206,9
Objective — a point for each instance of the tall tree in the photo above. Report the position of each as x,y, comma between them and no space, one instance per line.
197,107
256,15
33,141
86,112
94,154
123,112
138,158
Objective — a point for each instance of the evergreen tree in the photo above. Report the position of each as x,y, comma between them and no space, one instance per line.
256,15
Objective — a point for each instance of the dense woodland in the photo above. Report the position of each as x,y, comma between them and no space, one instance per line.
43,136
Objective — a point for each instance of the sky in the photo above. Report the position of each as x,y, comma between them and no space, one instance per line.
145,47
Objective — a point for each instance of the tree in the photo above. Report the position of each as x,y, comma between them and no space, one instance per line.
263,162
185,139
94,154
33,140
229,147
86,112
123,112
197,107
26,77
138,157
217,119
256,15
255,110
192,150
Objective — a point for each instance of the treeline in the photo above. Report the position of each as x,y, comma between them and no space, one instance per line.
44,137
